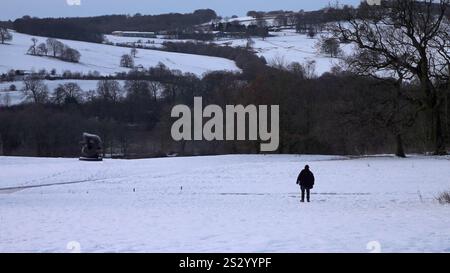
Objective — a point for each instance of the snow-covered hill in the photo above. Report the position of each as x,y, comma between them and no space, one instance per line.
238,203
285,46
103,58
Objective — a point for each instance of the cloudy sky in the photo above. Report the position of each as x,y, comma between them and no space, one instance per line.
12,9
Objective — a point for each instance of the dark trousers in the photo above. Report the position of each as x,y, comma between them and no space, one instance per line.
307,190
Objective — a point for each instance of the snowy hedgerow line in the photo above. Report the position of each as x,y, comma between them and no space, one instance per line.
54,48
5,35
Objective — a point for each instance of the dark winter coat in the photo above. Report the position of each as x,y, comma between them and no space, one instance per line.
306,179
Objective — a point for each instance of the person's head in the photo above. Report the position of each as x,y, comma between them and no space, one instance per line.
307,167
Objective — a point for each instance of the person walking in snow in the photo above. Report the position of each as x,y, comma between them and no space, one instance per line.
306,181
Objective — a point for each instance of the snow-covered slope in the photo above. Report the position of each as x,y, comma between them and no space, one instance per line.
103,58
238,203
285,46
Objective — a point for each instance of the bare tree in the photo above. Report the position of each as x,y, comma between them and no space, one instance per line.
281,20
54,47
387,111
279,62
35,89
68,92
109,90
33,50
261,24
127,61
133,51
156,89
292,19
330,46
260,21
42,50
139,89
5,35
297,69
70,55
310,69
410,37
143,90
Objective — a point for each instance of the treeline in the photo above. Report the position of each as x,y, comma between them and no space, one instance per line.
304,21
63,28
190,34
90,29
338,113
239,30
6,24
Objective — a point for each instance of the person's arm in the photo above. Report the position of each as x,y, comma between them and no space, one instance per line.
299,178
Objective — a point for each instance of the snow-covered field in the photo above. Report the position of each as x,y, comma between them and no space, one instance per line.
236,203
145,42
103,58
288,46
285,46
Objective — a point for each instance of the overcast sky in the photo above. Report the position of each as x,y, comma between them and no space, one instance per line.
12,9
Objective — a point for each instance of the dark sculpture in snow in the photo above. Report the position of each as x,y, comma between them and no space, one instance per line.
92,148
